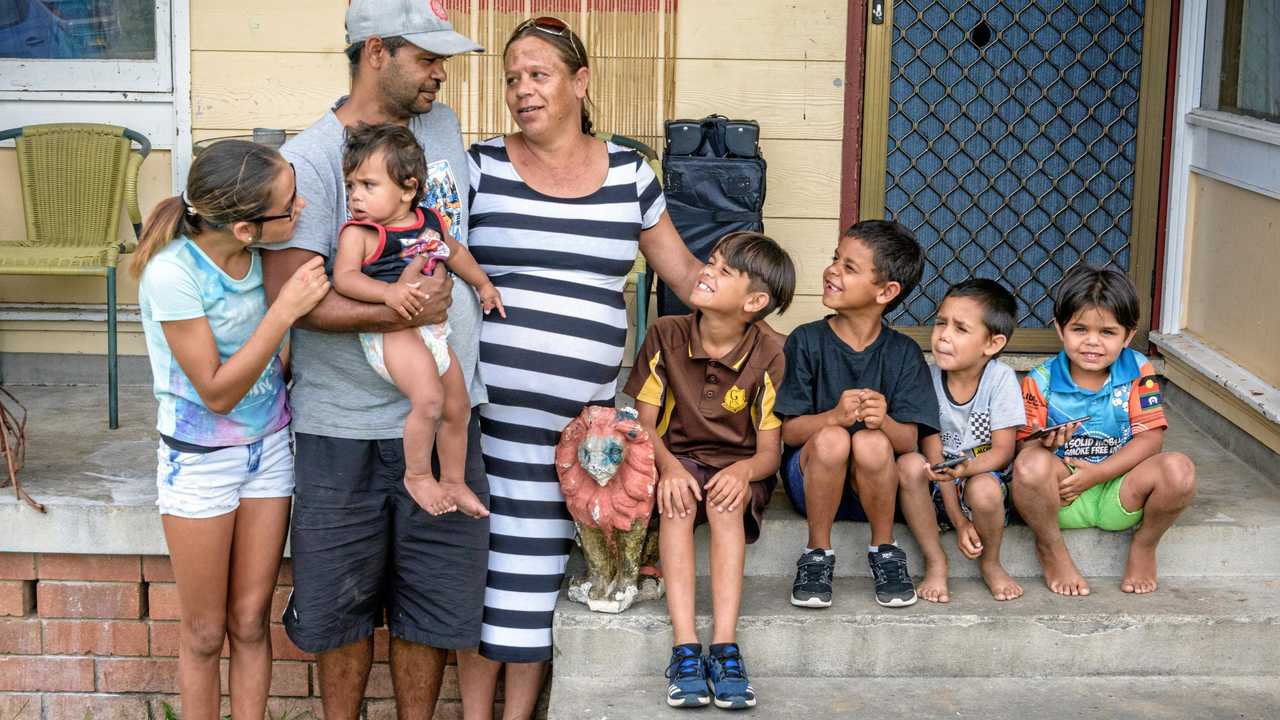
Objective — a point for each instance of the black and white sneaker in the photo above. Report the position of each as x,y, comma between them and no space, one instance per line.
893,584
812,587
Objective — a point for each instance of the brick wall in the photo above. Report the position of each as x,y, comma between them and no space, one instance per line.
96,637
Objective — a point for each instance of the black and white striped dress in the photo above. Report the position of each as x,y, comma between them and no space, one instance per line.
561,265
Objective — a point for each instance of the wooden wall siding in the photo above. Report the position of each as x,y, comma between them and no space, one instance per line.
1233,260
780,62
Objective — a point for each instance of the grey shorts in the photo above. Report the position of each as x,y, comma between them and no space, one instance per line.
365,553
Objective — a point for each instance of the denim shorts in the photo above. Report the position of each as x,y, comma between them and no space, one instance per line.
850,507
205,485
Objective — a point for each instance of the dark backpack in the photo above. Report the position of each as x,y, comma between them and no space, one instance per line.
714,178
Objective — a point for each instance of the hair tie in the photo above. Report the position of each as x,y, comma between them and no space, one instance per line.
190,209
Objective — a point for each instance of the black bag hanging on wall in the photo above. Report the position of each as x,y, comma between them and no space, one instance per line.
714,180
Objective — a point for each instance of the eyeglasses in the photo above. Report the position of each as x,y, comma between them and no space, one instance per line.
552,26
292,199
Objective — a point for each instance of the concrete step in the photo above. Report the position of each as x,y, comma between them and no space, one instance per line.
1235,513
1220,626
1066,698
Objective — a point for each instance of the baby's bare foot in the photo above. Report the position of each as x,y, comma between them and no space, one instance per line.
1140,570
934,586
463,499
1001,585
429,494
1060,572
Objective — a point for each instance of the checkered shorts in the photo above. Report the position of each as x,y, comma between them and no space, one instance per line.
944,522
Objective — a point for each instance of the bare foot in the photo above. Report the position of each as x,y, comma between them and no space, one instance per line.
934,586
463,499
1002,586
1060,572
429,494
1140,570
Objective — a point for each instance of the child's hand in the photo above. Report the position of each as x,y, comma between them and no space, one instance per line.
1080,479
405,298
1057,438
303,290
872,408
728,487
674,489
968,540
957,471
938,476
490,298
846,409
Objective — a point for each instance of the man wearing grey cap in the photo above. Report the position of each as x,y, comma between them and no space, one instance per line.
363,551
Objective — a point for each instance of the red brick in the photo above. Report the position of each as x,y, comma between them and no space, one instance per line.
380,710
379,682
20,707
116,675
282,648
156,568
102,568
162,602
17,597
95,637
17,566
295,708
89,599
46,674
166,637
288,679
286,572
279,601
97,707
19,637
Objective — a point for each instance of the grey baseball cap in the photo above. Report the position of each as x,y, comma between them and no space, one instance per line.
421,22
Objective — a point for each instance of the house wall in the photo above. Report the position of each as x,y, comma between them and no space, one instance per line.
264,64
1233,260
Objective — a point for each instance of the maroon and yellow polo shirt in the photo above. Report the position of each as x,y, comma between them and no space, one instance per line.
710,408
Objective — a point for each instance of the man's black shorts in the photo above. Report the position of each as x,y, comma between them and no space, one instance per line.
362,549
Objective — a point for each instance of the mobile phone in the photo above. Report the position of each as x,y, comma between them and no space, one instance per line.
1053,428
939,467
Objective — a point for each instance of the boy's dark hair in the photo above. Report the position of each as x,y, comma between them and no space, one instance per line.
895,252
765,263
404,157
1086,286
999,308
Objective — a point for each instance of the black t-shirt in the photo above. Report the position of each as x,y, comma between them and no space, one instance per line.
821,366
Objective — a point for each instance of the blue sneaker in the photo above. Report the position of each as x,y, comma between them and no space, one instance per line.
688,677
729,678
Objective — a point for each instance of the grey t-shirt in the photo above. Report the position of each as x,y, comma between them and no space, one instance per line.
966,429
335,393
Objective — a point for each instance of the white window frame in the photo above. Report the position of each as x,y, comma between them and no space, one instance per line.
152,97
152,76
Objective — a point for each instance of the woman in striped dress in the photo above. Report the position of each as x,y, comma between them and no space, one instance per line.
556,219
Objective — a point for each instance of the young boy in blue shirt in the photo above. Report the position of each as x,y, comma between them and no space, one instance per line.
704,386
1106,471
981,413
856,395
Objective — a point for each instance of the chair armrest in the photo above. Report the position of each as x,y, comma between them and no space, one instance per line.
131,201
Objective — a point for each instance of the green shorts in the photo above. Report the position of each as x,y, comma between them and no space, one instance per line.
1099,507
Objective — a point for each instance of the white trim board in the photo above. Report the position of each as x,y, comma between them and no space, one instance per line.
1245,386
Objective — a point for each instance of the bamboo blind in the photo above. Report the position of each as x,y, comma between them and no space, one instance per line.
631,47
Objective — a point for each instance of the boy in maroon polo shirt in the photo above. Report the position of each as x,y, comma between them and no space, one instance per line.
705,386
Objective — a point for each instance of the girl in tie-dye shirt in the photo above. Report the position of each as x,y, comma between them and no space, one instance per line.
218,351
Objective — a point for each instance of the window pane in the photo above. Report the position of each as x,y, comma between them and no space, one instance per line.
1242,58
78,29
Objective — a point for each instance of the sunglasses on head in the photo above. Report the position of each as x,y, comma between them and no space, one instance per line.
552,26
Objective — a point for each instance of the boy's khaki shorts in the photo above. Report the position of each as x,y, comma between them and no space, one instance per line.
1099,507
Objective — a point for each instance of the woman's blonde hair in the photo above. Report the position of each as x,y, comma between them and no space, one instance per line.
229,181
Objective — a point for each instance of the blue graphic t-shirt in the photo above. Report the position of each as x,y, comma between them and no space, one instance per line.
182,283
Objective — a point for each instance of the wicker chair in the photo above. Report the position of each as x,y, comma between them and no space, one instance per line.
74,177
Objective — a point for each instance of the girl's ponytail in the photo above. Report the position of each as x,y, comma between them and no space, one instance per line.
166,222
229,181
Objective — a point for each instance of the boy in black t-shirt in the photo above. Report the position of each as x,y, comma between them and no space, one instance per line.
855,395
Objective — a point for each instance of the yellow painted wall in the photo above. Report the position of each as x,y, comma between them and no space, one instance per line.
1233,262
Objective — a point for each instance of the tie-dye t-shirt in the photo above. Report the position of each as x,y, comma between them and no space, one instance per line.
181,283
